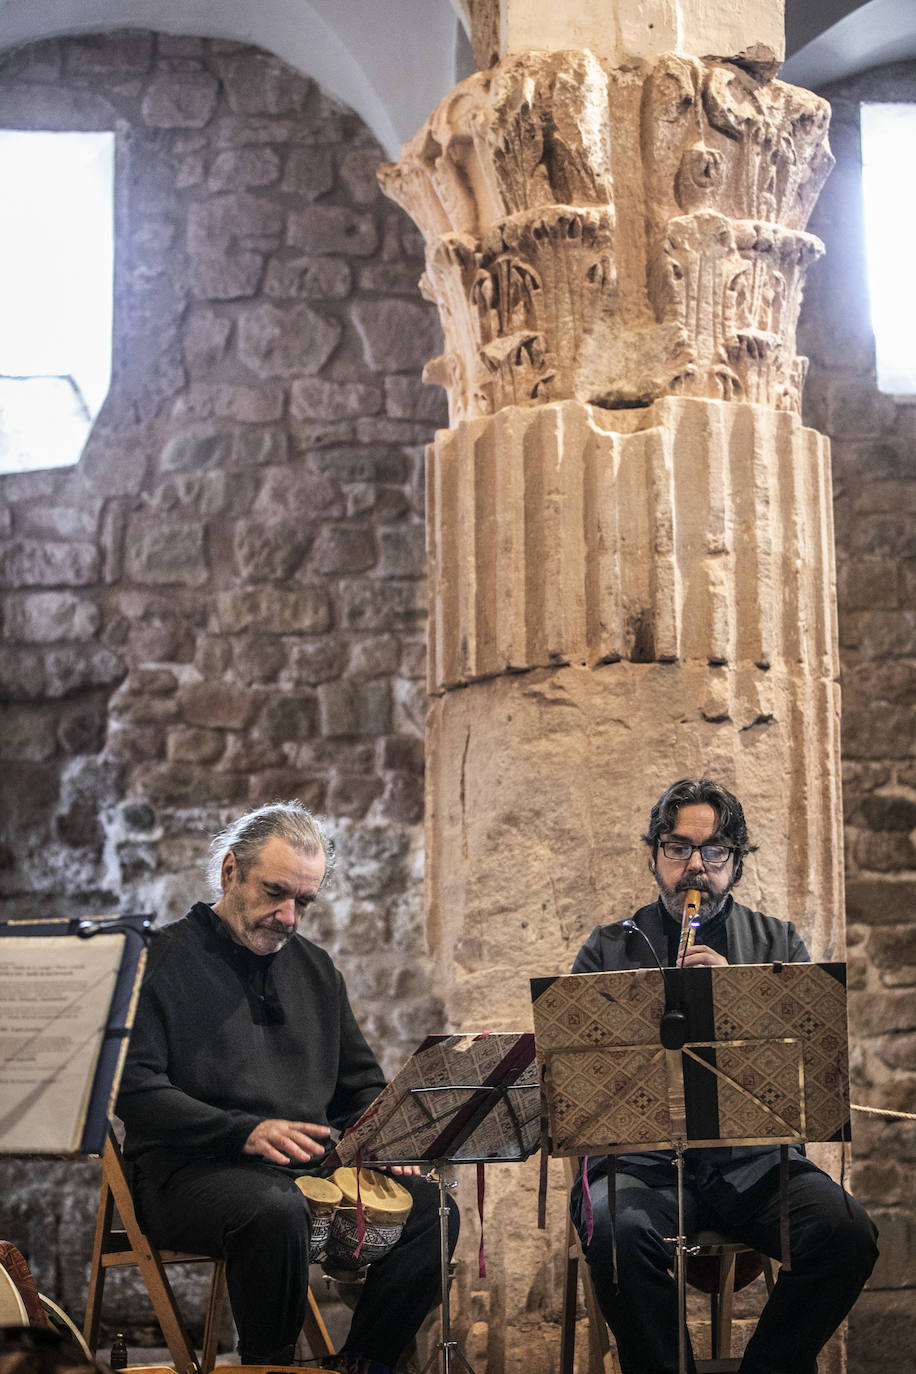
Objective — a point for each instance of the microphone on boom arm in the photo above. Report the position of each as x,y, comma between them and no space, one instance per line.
672,1028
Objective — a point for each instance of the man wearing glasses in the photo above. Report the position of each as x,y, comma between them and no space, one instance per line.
697,838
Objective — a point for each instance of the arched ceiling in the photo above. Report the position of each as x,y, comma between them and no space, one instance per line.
831,39
393,60
390,60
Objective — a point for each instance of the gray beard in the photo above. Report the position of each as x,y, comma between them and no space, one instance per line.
674,905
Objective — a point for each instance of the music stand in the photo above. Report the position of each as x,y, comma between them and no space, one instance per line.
70,990
763,1061
459,1099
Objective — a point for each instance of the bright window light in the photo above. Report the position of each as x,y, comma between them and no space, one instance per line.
889,190
56,271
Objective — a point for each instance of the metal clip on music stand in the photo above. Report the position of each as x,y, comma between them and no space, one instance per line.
760,1059
459,1099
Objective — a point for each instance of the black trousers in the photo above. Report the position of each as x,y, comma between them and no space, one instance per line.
254,1217
832,1246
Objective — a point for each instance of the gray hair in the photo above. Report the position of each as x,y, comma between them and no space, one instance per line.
247,836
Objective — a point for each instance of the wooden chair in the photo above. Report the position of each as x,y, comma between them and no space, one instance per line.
130,1245
716,1265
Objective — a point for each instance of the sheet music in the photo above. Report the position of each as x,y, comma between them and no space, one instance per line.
413,1116
54,999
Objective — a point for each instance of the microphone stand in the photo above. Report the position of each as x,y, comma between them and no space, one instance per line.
673,1033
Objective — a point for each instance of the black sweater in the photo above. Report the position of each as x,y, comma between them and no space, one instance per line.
224,1039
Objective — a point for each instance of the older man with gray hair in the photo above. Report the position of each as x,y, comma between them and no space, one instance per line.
244,1054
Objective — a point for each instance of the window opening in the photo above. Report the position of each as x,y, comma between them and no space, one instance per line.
56,293
889,195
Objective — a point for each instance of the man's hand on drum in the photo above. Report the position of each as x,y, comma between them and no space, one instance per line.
403,1169
283,1142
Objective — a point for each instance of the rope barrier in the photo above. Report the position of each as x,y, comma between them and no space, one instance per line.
885,1111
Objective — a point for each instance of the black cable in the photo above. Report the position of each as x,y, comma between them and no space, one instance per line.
672,1028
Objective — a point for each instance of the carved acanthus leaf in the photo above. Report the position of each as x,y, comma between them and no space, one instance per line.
533,180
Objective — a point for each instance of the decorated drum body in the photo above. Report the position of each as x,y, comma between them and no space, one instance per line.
323,1198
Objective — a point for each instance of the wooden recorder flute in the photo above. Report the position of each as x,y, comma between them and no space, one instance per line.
689,923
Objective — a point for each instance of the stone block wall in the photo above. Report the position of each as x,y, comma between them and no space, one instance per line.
873,438
223,602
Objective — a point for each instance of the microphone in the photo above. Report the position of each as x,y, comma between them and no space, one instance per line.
672,1028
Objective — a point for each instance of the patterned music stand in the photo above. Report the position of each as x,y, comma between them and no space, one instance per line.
459,1099
763,1062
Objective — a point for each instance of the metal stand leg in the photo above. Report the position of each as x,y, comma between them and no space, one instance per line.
681,1252
451,1353
680,1264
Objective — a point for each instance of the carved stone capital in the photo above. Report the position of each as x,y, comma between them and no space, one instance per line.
542,184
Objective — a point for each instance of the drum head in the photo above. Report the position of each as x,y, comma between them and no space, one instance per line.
382,1197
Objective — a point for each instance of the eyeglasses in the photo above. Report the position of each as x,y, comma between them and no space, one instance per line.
713,855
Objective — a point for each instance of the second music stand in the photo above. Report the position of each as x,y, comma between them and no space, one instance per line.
762,1061
459,1099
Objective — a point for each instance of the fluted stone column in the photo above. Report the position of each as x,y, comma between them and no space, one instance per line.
629,530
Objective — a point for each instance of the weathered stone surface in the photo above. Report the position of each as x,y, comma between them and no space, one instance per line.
44,617
82,728
397,336
880,901
244,168
284,342
185,784
402,551
380,429
22,675
305,610
407,398
359,173
259,448
374,656
212,401
216,704
41,563
27,733
257,84
290,718
343,548
361,464
258,658
298,490
313,396
385,605
883,1325
403,800
76,522
160,551
282,784
309,172
884,852
352,796
112,464
205,341
180,100
879,734
315,278
332,229
270,552
221,235
80,666
187,744
311,661
348,707
195,452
